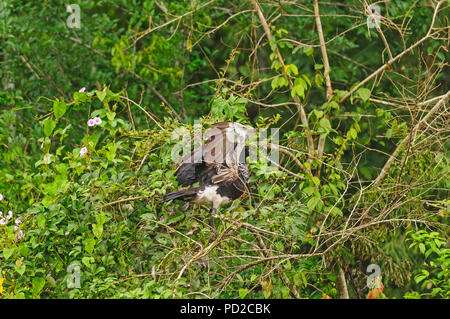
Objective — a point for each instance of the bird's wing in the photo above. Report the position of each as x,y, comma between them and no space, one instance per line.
190,173
225,173
217,159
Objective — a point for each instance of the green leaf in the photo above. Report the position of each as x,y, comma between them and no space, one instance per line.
333,188
38,283
316,180
101,218
24,250
422,248
333,105
304,76
100,94
336,212
89,244
428,252
86,261
40,220
311,204
364,94
318,114
309,190
299,88
273,43
97,229
49,126
276,65
79,97
352,133
318,67
59,108
308,50
274,83
20,269
279,81
51,281
305,283
319,79
291,69
325,123
389,133
300,82
243,292
7,252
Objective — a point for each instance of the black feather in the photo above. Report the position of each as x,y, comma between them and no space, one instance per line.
184,195
186,174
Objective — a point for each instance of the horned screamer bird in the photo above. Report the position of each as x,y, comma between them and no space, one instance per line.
219,165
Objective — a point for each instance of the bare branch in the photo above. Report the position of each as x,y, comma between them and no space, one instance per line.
396,58
407,139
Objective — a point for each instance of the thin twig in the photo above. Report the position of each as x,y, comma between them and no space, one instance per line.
406,140
396,58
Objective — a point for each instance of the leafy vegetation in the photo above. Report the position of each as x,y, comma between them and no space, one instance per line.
358,114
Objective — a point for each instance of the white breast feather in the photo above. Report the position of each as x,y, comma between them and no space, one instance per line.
209,196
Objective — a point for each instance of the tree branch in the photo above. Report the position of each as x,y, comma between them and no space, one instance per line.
396,58
326,74
407,139
299,105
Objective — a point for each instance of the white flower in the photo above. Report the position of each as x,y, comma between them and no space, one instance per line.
83,151
20,234
91,122
82,89
3,221
97,120
16,228
1,197
18,222
66,233
9,216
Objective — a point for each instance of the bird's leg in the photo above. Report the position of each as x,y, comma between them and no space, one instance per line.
211,221
185,207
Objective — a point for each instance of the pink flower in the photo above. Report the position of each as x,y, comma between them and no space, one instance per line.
66,233
20,234
16,228
91,122
1,197
3,221
9,216
83,151
97,120
82,89
18,222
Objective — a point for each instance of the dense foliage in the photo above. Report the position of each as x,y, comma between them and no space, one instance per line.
362,112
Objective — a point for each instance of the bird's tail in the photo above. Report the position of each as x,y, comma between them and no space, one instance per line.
183,195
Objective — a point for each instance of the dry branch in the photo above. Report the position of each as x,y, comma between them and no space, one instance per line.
326,74
407,139
396,58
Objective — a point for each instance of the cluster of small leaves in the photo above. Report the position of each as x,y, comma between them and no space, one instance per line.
433,277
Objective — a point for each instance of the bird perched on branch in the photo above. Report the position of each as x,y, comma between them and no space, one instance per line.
219,165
